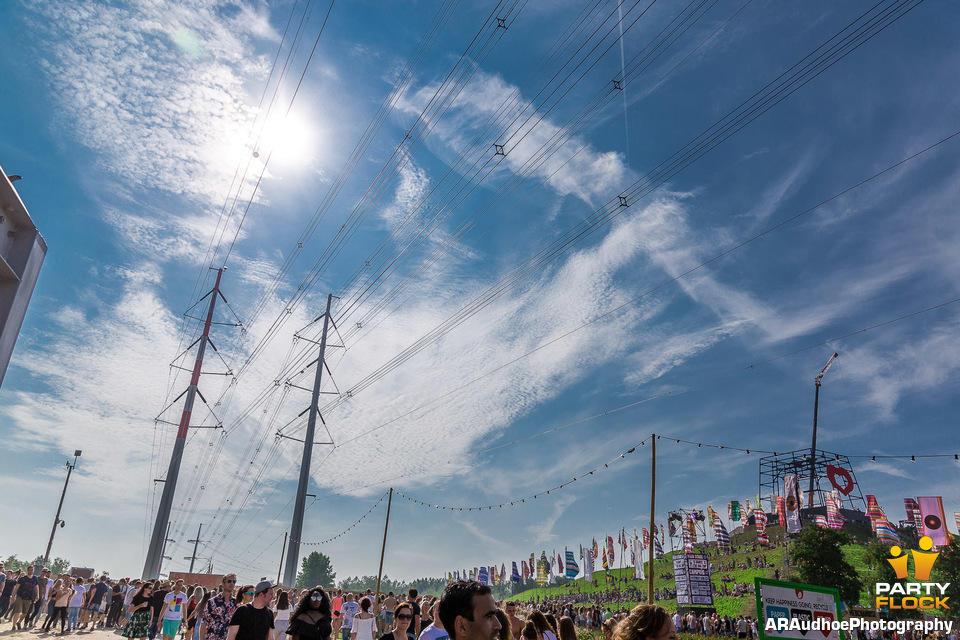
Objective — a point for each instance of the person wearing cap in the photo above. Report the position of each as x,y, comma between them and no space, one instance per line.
254,620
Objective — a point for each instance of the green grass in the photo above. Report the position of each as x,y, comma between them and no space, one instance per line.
725,605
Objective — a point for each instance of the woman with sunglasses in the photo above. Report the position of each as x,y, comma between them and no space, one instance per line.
312,619
139,625
245,594
402,617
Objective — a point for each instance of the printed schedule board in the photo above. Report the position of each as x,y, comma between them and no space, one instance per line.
803,602
691,571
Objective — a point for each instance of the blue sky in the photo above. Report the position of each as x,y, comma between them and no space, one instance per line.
156,142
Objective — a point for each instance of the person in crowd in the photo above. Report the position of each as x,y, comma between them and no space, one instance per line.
607,627
469,612
254,620
281,615
402,617
9,584
646,622
348,611
568,631
60,595
131,591
412,599
364,622
160,591
216,616
386,613
194,610
44,584
245,595
544,630
95,597
116,603
516,624
140,613
174,604
76,603
28,591
336,602
313,618
435,630
505,632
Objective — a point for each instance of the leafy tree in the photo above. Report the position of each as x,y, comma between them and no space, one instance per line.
315,569
819,560
57,565
882,571
947,569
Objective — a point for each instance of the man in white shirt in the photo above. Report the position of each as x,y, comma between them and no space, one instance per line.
174,604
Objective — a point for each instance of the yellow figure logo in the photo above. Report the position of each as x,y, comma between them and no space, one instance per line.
922,562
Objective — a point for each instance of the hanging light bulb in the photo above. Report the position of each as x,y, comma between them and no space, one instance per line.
912,459
873,458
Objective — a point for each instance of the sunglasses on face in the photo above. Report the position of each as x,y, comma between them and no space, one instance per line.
316,598
230,581
249,593
404,616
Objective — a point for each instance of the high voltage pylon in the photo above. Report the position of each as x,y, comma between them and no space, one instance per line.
151,566
296,527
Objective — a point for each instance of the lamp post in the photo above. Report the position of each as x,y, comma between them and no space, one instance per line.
56,519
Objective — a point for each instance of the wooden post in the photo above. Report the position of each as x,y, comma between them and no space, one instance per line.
653,507
383,550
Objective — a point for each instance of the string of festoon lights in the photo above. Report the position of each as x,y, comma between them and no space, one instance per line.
522,500
347,530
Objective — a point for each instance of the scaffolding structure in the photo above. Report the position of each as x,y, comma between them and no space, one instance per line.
774,468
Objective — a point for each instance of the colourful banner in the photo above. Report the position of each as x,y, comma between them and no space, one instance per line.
933,519
791,487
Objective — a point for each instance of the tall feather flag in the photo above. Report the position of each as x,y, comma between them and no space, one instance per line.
956,517
657,546
646,538
484,576
610,548
687,541
623,539
734,511
571,568
934,520
913,513
637,552
526,570
542,569
533,564
663,536
782,510
588,566
887,533
561,570
821,521
606,565
720,531
503,573
760,518
515,573
834,517
596,550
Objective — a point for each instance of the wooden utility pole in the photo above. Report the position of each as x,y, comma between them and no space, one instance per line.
653,508
383,550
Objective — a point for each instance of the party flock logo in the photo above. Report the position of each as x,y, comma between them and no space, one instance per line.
913,595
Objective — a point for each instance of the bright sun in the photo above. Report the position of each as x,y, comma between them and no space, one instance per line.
288,141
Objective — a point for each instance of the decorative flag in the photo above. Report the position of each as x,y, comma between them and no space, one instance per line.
503,573
887,533
692,528
646,537
533,564
956,517
749,512
526,570
791,486
933,519
561,570
687,541
484,576
711,515
610,548
760,518
657,546
596,551
874,511
543,568
606,565
572,569
913,512
821,521
735,511
834,517
663,536
720,531
515,573
637,551
782,511
588,566
623,539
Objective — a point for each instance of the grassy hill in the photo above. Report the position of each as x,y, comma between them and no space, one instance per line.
746,604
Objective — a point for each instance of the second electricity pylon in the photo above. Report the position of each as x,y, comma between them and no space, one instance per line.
296,527
151,566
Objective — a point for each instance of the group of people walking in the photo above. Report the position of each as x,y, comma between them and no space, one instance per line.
143,610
